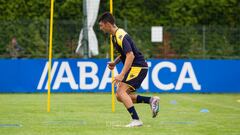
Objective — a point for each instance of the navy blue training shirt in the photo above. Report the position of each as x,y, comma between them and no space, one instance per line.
124,44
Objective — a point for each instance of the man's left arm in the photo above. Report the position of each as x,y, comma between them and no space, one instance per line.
128,63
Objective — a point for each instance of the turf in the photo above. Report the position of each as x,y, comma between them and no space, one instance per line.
90,114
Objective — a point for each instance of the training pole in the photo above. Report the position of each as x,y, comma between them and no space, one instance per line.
50,56
112,59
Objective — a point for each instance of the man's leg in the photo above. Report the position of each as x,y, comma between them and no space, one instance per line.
124,97
139,99
153,101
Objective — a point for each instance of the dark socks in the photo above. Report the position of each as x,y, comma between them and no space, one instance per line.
142,99
133,113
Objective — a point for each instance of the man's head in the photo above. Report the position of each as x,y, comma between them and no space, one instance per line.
106,22
14,41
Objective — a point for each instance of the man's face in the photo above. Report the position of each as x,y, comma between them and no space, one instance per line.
14,41
104,27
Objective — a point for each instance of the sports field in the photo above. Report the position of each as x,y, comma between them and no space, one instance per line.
90,114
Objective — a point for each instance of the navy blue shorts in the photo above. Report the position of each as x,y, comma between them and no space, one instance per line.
135,76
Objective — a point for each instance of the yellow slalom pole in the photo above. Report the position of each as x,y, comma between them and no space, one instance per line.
112,59
50,56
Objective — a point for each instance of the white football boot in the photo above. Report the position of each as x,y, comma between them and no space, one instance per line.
135,123
154,104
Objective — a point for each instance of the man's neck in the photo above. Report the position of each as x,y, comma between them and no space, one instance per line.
113,30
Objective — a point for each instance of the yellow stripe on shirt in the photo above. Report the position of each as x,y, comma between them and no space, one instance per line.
119,36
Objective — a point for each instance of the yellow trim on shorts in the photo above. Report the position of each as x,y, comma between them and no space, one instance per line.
134,72
131,86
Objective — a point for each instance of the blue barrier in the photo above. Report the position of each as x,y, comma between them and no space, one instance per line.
92,75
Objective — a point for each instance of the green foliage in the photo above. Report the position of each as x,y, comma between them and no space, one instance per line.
186,41
182,19
204,12
31,36
221,46
18,9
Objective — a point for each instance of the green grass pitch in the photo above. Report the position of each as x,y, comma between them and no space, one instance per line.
90,114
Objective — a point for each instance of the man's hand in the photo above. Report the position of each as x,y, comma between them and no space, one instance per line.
111,65
118,78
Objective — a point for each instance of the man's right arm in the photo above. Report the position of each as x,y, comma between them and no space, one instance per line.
111,65
117,60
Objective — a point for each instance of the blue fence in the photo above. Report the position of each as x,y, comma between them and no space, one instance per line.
92,75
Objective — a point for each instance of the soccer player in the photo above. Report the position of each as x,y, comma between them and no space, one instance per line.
133,72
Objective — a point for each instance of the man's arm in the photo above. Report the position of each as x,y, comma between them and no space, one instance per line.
128,63
111,65
117,60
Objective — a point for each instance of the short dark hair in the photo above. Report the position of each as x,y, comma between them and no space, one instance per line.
107,17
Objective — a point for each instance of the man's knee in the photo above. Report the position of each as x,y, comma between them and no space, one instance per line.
120,92
118,97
